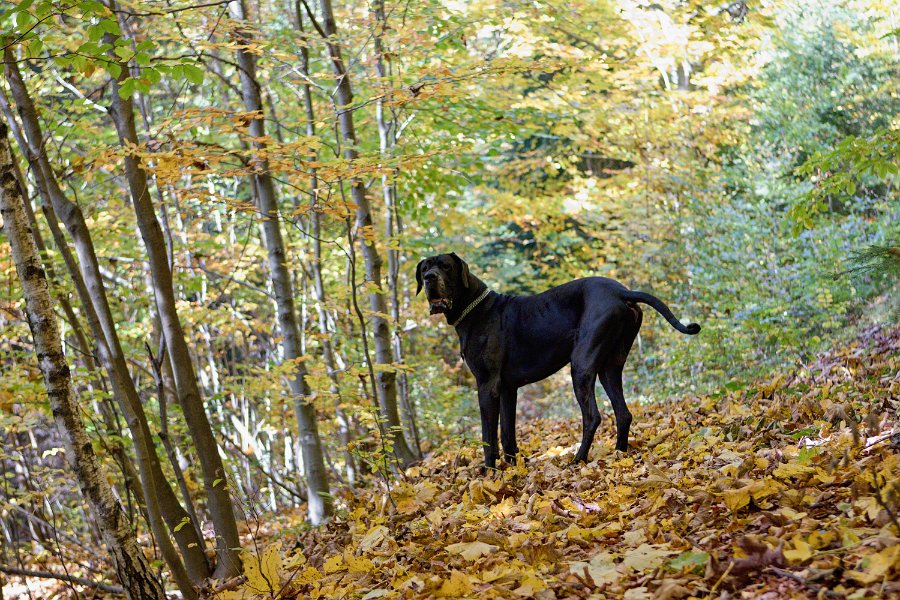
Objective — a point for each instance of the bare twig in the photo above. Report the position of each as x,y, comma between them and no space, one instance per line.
99,585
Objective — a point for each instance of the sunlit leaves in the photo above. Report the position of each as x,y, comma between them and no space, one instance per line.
656,520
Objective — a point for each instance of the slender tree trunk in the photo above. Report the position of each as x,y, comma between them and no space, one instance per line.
162,394
320,506
132,568
132,482
387,139
386,379
160,499
315,222
214,476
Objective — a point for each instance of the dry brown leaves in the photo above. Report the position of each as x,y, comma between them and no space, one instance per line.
787,490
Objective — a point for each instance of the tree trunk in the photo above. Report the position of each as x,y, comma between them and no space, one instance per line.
159,497
214,476
131,565
320,506
104,405
386,379
315,265
387,139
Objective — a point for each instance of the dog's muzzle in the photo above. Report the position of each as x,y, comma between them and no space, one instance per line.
439,300
440,305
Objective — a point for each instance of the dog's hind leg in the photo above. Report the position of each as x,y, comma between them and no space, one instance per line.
590,352
583,382
611,377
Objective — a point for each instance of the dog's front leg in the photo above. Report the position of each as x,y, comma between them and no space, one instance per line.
508,425
489,404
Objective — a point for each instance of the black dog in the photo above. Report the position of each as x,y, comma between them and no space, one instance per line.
510,341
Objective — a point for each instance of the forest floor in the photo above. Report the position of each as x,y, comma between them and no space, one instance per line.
789,488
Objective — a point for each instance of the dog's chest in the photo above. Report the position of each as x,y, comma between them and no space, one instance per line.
482,353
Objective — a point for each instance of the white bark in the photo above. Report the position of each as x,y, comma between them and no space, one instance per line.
132,567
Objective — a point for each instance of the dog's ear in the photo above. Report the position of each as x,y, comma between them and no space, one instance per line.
419,277
463,269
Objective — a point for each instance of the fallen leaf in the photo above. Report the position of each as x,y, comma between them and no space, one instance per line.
646,557
373,538
472,550
601,569
455,586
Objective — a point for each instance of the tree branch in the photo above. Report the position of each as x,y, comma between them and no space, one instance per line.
99,585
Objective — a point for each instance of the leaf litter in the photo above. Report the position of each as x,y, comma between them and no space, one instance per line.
785,489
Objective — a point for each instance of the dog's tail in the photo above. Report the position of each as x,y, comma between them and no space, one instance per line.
661,308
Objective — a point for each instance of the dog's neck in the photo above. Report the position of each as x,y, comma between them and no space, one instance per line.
460,303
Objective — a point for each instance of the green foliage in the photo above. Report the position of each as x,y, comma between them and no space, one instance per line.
823,111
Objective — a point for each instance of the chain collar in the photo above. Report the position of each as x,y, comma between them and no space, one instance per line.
471,307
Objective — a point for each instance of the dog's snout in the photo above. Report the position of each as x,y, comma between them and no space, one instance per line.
430,276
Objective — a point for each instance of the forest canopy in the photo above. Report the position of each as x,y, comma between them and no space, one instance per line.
212,214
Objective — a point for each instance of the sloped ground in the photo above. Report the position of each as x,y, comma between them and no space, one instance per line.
787,490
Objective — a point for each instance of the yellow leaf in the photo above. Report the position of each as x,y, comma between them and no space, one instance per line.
737,499
373,538
471,550
575,533
791,514
635,537
530,585
878,566
869,505
637,593
357,564
307,575
426,491
788,470
503,508
492,485
262,571
757,490
414,583
646,557
824,477
456,586
333,564
601,569
884,562
801,551
435,517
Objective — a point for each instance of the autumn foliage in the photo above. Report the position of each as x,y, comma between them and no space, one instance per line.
785,489
228,199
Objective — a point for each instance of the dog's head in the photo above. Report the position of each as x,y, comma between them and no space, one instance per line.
446,280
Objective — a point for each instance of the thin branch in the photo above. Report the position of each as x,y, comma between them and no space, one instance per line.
312,18
169,11
99,585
